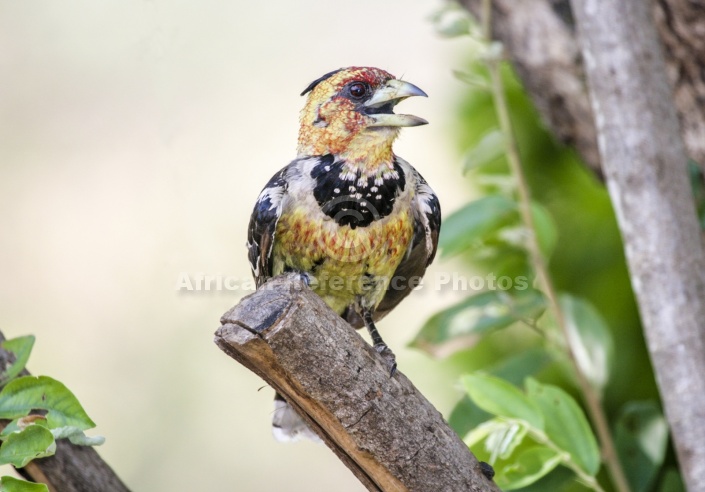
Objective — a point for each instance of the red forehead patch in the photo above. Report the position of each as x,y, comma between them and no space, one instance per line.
371,75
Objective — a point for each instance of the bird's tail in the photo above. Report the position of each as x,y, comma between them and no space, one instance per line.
287,425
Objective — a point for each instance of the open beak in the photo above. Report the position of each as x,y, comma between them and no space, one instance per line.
380,107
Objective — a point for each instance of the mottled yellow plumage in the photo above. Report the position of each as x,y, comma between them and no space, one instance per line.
310,242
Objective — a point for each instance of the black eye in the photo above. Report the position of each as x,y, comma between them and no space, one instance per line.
357,90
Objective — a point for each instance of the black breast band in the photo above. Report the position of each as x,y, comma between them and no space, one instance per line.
355,202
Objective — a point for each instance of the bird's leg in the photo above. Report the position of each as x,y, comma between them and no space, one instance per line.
379,344
305,277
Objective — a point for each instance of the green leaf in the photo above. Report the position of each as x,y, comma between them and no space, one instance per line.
483,430
465,416
453,24
450,20
468,225
21,347
77,436
73,434
81,439
454,28
474,80
566,424
641,436
28,393
503,441
20,423
494,51
11,484
477,315
555,481
501,437
527,467
672,481
589,338
697,181
498,183
22,447
491,146
517,367
546,231
501,398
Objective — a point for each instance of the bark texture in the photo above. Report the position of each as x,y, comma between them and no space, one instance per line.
381,427
539,36
73,468
643,159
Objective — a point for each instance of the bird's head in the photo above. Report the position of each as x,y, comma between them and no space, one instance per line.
350,113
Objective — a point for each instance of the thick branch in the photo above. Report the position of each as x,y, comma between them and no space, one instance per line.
644,158
381,427
73,468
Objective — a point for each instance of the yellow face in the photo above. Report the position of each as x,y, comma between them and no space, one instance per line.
349,113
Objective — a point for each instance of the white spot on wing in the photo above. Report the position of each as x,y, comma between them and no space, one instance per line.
274,195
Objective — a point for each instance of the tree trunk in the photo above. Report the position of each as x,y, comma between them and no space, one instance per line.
644,162
539,36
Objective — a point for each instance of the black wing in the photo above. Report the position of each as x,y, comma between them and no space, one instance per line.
263,225
427,225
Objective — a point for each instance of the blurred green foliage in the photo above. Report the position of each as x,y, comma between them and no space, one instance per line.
588,259
578,234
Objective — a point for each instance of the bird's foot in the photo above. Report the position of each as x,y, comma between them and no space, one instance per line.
305,277
389,358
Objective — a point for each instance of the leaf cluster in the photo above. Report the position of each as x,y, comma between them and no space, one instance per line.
38,411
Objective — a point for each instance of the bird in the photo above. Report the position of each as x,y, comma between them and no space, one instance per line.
358,222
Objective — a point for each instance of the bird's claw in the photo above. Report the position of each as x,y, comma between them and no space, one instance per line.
305,277
388,356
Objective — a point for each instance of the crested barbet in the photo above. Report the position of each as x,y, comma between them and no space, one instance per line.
359,223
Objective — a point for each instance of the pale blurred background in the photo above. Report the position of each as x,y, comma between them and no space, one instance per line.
134,139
